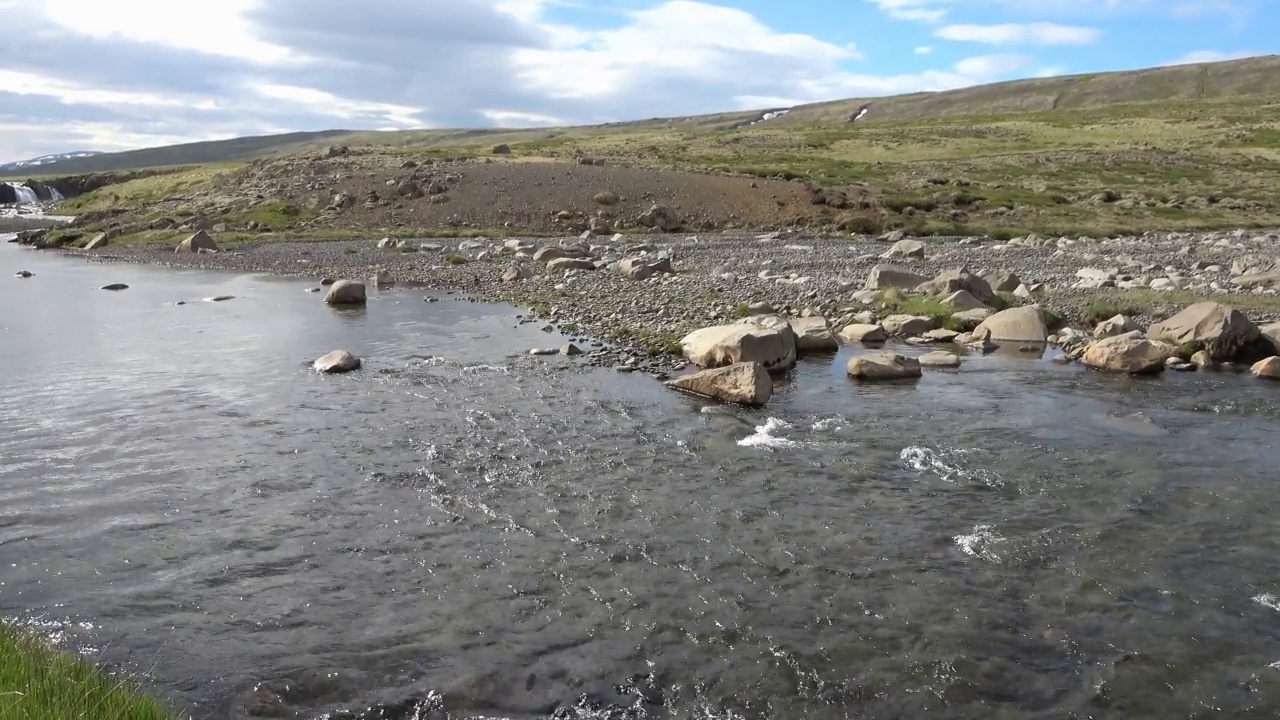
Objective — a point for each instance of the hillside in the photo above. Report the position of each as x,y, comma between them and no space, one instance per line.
1167,148
1230,81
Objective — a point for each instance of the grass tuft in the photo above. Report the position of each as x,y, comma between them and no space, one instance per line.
38,682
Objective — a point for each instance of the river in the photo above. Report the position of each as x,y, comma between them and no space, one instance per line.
470,531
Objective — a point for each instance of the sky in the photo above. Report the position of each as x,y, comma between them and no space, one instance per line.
94,75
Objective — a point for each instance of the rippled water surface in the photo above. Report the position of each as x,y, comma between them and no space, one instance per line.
467,530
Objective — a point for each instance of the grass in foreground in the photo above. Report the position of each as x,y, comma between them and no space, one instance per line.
40,683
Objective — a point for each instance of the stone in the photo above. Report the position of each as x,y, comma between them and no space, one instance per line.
636,268
1220,330
1130,353
1002,282
1016,325
962,300
907,325
883,366
660,217
743,383
940,359
338,361
969,320
570,350
606,197
764,341
814,335
905,249
24,274
864,333
199,242
1271,333
115,286
1202,360
516,272
382,278
571,263
99,241
941,335
954,280
883,277
346,292
547,254
502,149
1268,368
1118,325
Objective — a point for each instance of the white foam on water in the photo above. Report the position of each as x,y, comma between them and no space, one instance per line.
948,465
983,543
486,368
1268,600
765,436
834,424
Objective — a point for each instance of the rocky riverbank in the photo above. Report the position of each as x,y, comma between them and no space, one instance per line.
643,294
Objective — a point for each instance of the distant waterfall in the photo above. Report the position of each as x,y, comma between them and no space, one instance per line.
26,196
54,195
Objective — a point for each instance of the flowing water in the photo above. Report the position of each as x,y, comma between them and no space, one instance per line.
460,529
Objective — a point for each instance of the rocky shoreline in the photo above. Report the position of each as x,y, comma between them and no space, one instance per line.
634,298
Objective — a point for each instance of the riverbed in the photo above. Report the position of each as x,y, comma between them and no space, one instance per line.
466,529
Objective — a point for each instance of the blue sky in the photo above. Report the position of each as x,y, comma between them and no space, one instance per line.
84,74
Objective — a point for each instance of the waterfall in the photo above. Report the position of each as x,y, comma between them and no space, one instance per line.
54,195
26,196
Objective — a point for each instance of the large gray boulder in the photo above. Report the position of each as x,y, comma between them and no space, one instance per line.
884,366
1024,324
955,280
346,292
1130,353
744,383
338,361
814,334
199,242
759,339
1271,333
886,276
1220,330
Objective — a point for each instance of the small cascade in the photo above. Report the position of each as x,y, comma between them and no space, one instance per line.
24,194
54,195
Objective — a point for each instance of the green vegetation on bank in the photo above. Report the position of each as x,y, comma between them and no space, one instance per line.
40,683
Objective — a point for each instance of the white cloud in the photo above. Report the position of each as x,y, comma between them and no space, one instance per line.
919,10
1208,56
993,66
1041,33
924,50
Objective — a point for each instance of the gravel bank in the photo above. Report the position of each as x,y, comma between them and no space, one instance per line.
718,275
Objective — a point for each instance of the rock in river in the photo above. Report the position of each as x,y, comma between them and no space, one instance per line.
24,274
1268,368
744,383
338,361
1220,330
769,343
115,286
1129,353
1016,325
884,366
346,292
813,334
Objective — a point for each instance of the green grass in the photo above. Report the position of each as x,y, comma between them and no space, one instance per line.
892,302
40,683
455,259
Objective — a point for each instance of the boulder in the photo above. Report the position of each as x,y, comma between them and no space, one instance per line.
952,281
338,361
1271,333
660,217
635,268
744,383
199,242
346,292
1220,330
1129,353
547,254
115,286
864,333
1268,368
813,334
1016,325
907,325
884,366
884,276
962,300
765,342
905,249
24,274
571,263
1001,281
968,320
516,272
502,149
1118,325
940,359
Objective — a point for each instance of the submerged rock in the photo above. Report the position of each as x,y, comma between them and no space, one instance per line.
744,383
115,286
338,361
884,366
346,292
940,359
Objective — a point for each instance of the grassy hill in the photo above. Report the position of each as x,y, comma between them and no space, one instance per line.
1192,146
